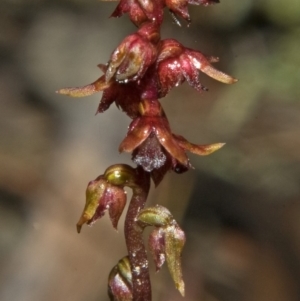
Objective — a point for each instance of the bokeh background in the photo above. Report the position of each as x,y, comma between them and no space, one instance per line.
240,207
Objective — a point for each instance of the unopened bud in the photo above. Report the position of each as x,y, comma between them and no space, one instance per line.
100,197
120,281
166,241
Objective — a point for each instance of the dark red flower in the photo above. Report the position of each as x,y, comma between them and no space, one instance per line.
127,96
153,145
142,68
176,64
134,55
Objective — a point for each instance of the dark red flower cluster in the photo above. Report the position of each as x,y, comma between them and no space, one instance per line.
143,69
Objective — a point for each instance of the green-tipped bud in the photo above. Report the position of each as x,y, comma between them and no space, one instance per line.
166,241
102,196
94,192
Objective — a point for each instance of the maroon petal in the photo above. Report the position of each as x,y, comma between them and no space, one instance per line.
108,97
166,139
170,75
139,130
190,72
128,99
117,204
126,96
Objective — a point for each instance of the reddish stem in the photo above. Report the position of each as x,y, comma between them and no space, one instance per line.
141,286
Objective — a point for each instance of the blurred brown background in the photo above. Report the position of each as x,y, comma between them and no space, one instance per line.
240,206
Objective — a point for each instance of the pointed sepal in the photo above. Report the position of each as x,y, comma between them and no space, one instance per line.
174,243
200,150
97,86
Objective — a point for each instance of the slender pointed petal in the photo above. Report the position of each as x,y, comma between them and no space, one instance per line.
97,86
218,75
201,150
202,63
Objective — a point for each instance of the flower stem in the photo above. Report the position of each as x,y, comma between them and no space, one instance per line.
141,286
